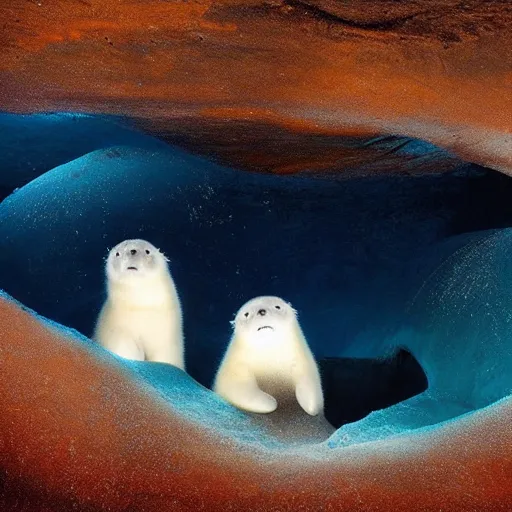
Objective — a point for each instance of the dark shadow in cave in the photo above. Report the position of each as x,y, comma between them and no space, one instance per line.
353,388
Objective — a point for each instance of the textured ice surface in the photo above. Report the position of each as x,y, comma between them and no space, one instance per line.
176,390
85,437
34,144
229,235
352,272
459,328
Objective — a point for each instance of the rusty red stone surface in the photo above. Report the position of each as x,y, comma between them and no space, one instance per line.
440,70
77,433
274,86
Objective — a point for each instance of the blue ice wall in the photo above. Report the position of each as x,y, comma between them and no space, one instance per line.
33,144
370,264
459,327
229,235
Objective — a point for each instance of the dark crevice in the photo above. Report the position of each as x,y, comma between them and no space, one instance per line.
380,25
353,388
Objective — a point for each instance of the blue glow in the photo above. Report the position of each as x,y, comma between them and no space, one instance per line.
34,144
301,238
370,264
459,327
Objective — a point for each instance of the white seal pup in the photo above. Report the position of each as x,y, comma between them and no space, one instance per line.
268,360
141,318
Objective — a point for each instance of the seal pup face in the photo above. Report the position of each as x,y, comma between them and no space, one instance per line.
133,260
264,317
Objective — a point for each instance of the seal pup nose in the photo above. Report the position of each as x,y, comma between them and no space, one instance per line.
133,252
262,312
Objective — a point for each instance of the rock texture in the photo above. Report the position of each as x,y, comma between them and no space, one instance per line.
274,86
252,80
77,434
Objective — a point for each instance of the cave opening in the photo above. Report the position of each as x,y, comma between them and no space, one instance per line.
350,254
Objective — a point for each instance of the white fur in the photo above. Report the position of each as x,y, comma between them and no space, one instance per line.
141,318
276,359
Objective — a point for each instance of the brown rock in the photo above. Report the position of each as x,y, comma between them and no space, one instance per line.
206,70
76,433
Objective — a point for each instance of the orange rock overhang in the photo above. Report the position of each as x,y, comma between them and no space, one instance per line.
210,73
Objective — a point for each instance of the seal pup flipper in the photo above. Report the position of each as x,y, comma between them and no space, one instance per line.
308,386
126,348
309,395
239,387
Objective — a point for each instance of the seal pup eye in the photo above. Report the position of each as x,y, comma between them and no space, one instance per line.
117,254
278,307
246,315
147,251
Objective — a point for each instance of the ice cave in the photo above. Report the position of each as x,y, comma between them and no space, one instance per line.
404,301
381,212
